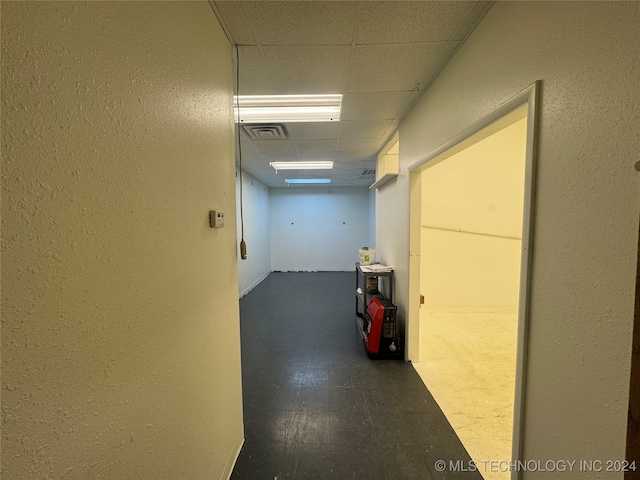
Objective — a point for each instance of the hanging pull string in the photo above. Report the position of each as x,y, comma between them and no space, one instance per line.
243,245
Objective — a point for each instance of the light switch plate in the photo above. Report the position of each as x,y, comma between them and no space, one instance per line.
216,219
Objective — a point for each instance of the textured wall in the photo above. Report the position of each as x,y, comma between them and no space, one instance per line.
257,232
120,338
318,229
587,55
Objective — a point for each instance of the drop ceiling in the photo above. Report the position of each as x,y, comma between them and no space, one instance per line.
381,55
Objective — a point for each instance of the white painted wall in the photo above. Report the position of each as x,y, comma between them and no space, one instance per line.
372,219
471,228
120,328
257,232
317,228
587,55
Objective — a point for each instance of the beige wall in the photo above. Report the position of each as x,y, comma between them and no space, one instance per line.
472,225
587,56
120,335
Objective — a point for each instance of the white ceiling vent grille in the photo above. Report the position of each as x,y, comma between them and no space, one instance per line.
368,173
273,131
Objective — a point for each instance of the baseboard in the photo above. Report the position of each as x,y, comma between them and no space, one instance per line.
265,275
466,309
232,461
254,284
313,271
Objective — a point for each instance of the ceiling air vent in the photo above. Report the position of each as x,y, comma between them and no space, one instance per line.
368,173
274,131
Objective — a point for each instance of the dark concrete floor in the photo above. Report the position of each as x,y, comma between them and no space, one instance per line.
315,406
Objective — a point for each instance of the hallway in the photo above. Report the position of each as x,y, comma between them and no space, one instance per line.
315,406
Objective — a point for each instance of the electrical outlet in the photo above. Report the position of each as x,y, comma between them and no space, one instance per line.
216,219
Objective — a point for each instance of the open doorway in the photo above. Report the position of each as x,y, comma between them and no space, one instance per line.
470,235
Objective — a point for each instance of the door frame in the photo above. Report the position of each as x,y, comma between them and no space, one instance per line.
530,97
633,418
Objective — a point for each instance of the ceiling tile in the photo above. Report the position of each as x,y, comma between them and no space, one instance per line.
357,144
234,17
270,180
343,183
373,106
257,167
371,162
356,174
310,156
382,65
303,23
312,174
250,154
281,157
293,70
345,166
313,131
316,146
275,146
404,66
353,156
410,21
246,144
370,129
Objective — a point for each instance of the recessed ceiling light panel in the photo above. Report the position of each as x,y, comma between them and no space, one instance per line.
297,181
321,165
287,108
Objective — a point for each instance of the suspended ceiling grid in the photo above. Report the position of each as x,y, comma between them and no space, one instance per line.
380,55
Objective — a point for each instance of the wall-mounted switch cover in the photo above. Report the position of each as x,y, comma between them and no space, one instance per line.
216,219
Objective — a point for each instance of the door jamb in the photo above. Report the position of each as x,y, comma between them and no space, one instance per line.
633,418
530,97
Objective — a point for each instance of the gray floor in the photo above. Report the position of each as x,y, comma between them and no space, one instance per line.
315,406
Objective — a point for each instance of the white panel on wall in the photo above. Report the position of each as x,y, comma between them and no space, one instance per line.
255,210
318,229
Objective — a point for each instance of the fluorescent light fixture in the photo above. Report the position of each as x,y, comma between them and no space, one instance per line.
306,180
322,165
287,108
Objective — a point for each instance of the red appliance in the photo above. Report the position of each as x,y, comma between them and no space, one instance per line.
379,331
